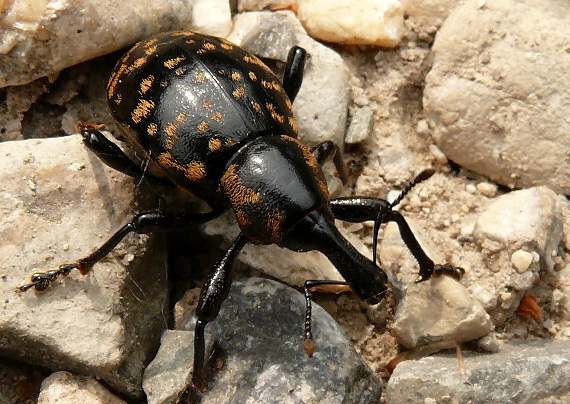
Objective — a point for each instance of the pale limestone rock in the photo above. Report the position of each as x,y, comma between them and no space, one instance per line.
429,12
495,96
366,22
67,388
58,203
212,17
436,311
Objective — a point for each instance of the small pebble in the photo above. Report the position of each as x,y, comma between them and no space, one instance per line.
521,260
487,189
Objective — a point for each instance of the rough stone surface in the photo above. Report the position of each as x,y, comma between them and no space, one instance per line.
532,372
211,17
366,22
430,13
59,203
259,332
66,388
322,103
493,96
434,311
529,220
49,36
361,126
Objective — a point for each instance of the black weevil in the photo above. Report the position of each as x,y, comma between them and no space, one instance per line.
216,121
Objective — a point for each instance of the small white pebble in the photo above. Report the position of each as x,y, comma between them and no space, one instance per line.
487,189
65,247
521,260
437,154
471,188
465,208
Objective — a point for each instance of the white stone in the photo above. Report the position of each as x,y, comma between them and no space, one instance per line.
212,17
521,260
82,323
365,22
67,388
361,126
487,189
493,96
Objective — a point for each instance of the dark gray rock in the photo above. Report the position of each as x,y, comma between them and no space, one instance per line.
531,372
259,337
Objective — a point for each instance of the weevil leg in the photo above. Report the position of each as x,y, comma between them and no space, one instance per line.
310,286
142,223
293,76
213,294
112,155
327,149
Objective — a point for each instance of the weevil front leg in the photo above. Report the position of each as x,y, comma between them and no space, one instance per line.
142,223
112,155
213,294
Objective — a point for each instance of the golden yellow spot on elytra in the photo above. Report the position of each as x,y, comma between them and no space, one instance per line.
252,76
146,84
143,108
289,105
215,144
181,117
257,107
270,85
171,136
118,99
293,124
182,33
203,126
150,51
221,72
229,142
150,42
226,46
194,171
236,76
218,117
172,63
254,61
200,77
277,117
208,105
209,46
190,42
239,92
180,71
152,129
136,64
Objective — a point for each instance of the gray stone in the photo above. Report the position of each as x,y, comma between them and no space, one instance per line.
496,97
532,372
321,106
259,333
59,202
436,311
361,126
67,388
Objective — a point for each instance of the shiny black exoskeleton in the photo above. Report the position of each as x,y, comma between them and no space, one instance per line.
217,122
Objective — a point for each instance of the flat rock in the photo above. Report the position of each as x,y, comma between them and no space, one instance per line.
493,96
436,311
366,22
531,372
67,388
59,202
259,336
321,106
361,126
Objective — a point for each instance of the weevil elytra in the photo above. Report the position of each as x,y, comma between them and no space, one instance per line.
217,122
